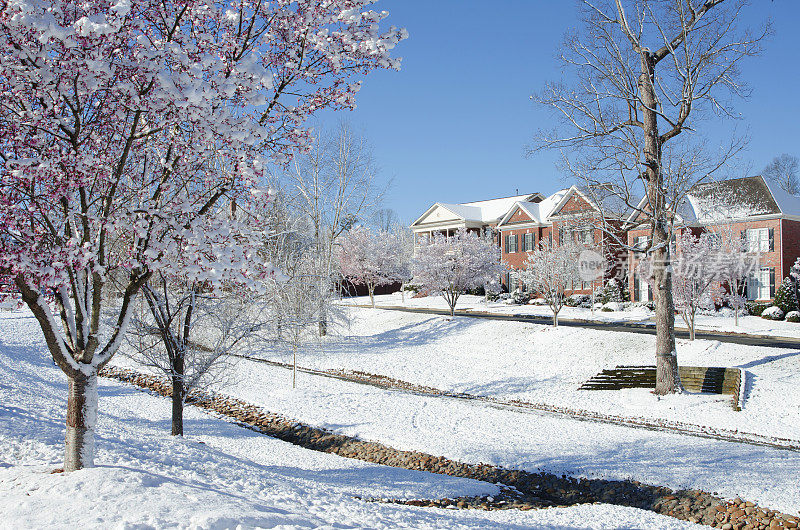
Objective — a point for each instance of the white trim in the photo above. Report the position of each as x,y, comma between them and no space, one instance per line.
429,210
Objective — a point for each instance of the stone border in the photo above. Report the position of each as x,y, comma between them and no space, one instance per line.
521,489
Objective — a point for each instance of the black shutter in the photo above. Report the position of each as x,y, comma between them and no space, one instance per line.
772,282
506,243
772,240
636,288
743,237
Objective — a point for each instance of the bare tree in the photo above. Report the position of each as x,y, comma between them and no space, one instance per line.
645,72
332,185
783,171
189,334
385,219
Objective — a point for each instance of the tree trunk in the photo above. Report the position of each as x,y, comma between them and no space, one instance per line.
371,289
177,405
294,366
555,318
667,377
81,419
323,327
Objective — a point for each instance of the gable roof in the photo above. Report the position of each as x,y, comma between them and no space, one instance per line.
540,211
732,199
485,212
787,203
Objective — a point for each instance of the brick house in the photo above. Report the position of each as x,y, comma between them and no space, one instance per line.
567,213
751,208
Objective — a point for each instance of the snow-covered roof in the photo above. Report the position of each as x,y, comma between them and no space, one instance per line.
484,212
468,213
739,198
540,211
789,204
493,209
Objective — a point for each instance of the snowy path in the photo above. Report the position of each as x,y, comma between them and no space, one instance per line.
472,432
219,476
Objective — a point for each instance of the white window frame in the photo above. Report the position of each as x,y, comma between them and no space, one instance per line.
513,243
758,287
644,288
758,239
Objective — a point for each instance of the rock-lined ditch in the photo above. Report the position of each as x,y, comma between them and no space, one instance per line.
521,489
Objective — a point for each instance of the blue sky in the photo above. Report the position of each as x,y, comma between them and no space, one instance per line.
452,124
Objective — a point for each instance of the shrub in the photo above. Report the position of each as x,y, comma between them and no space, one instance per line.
611,293
793,316
786,296
772,313
756,308
520,298
577,300
606,309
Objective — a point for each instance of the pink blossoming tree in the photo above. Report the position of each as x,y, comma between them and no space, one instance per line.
127,125
372,258
452,265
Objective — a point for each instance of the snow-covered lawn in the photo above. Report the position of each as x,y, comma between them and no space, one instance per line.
220,475
475,432
541,364
719,321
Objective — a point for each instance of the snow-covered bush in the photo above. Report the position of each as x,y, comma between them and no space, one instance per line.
786,296
611,292
578,300
756,308
772,313
612,306
538,301
520,297
793,316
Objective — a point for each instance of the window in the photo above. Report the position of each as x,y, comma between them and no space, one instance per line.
584,236
760,240
641,243
761,284
527,242
714,239
641,289
511,243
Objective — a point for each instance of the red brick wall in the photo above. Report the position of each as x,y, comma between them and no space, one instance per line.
790,230
790,244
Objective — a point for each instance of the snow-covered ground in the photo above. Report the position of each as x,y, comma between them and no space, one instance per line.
220,475
719,321
475,432
541,364
538,363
